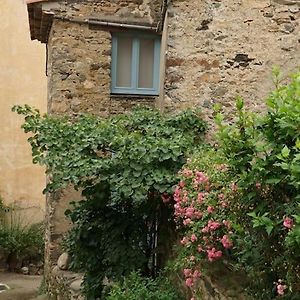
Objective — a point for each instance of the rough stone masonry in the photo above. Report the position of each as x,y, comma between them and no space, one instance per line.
214,50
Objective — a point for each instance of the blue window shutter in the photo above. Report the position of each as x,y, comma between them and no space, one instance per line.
156,68
114,63
134,90
135,62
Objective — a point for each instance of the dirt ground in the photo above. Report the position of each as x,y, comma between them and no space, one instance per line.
23,287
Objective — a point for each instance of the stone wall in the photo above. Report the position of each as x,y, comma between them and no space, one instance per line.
79,57
220,49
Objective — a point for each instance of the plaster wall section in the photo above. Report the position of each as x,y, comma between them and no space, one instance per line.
22,81
220,49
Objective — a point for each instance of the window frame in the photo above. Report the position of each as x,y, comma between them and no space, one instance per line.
134,89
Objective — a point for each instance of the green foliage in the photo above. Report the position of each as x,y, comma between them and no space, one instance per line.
19,240
126,166
264,152
143,147
135,287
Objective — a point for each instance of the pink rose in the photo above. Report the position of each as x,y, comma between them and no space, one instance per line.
190,212
213,254
224,204
221,196
181,183
288,222
226,242
280,289
187,222
210,209
200,197
212,225
194,238
196,274
184,241
205,229
189,282
234,187
187,272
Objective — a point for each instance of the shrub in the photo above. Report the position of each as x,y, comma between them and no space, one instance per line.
126,166
19,241
264,152
202,215
260,154
136,287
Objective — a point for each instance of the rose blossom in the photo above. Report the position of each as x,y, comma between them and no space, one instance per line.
187,272
196,274
184,241
213,254
199,248
226,242
280,289
189,212
210,209
194,238
187,221
189,282
221,196
181,183
234,187
288,222
212,225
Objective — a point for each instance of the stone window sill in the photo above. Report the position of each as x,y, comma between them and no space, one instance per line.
123,96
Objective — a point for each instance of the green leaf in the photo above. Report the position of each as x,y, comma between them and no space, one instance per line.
285,152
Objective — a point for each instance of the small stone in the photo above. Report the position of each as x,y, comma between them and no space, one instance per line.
207,104
88,84
268,14
288,28
95,67
219,92
294,9
76,285
56,270
25,270
63,261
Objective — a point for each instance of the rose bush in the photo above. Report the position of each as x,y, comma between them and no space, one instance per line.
201,212
255,222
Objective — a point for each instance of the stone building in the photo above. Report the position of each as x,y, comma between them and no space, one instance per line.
105,56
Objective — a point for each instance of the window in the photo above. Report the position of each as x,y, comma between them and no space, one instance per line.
135,64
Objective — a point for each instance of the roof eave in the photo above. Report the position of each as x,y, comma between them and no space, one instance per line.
35,1
40,21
